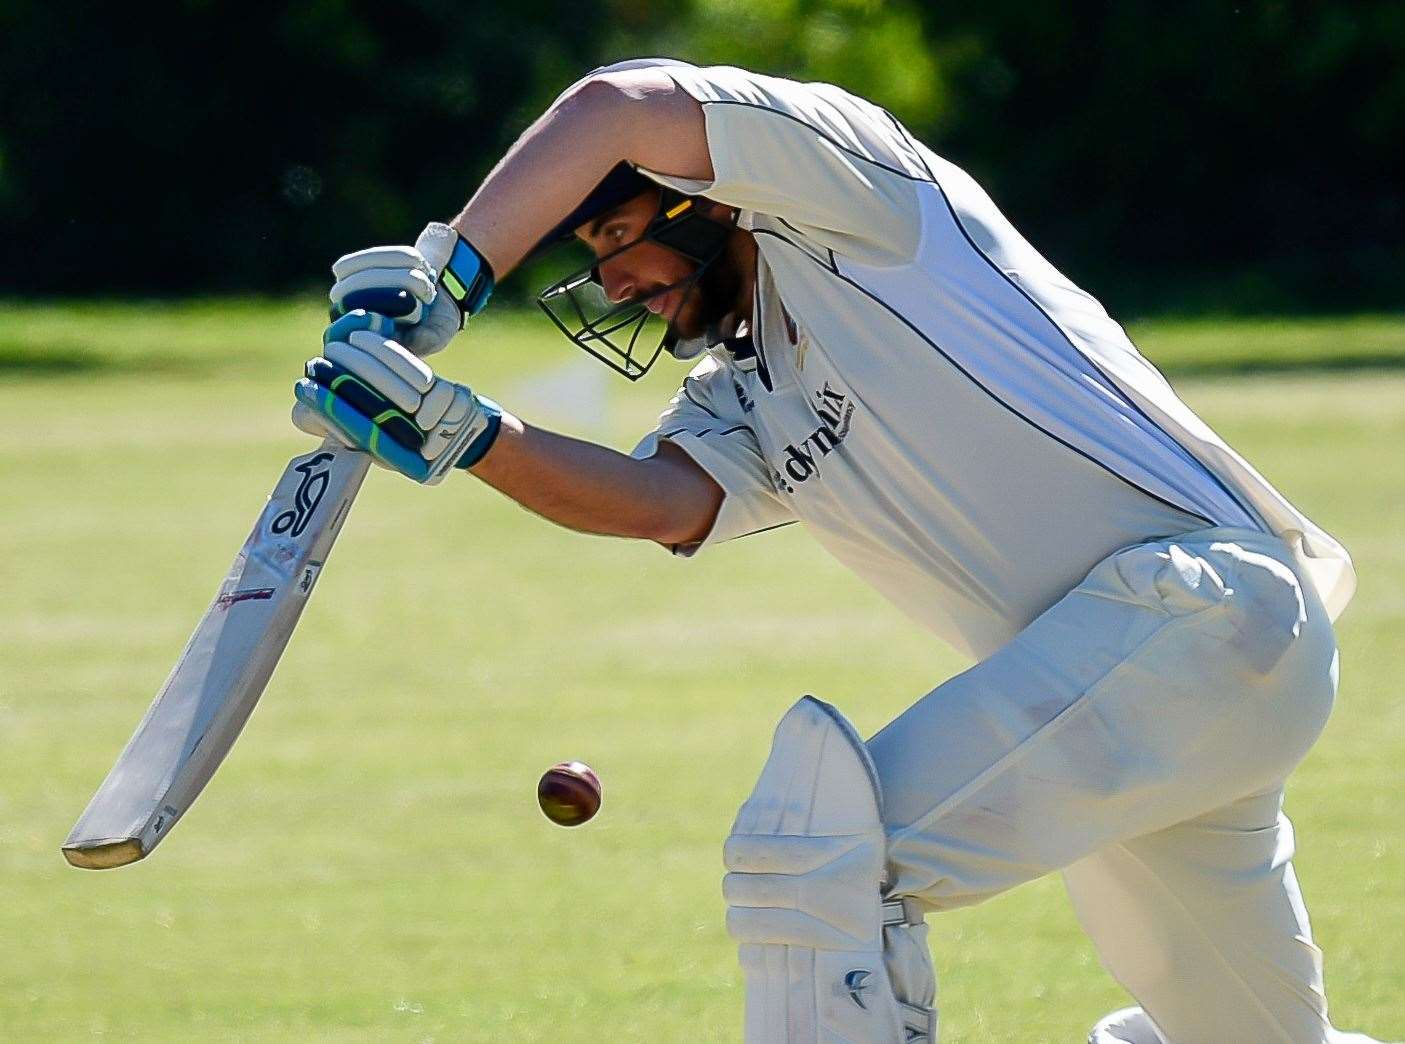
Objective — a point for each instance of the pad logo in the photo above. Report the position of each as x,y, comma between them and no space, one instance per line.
856,982
309,494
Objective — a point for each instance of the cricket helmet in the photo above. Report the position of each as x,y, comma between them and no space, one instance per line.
621,334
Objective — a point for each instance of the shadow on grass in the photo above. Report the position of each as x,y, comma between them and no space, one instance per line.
51,364
59,362
21,357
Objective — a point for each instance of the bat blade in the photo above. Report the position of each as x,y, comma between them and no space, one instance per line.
212,690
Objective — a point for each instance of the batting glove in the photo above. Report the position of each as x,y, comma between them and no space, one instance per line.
432,286
373,395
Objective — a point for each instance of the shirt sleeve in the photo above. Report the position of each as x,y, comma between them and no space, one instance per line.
837,168
705,421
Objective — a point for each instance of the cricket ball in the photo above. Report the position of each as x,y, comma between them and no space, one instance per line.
569,793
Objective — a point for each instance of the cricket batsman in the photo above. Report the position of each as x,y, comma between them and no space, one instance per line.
879,355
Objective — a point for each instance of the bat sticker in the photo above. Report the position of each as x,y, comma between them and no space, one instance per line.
309,495
309,576
253,594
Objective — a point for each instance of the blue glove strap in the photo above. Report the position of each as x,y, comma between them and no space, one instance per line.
481,445
467,278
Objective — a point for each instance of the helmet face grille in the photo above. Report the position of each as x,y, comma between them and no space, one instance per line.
625,335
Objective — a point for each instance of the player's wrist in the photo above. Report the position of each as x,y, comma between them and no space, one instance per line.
489,424
462,274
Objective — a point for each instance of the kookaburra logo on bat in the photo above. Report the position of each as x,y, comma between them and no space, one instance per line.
309,494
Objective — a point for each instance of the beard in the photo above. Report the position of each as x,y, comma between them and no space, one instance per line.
711,300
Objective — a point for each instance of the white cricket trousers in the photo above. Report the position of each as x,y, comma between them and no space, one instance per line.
1137,736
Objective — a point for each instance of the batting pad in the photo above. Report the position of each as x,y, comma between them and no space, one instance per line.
1127,1026
804,897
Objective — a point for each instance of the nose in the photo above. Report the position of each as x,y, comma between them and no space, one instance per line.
616,280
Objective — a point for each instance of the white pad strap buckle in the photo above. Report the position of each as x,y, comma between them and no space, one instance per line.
902,910
919,1024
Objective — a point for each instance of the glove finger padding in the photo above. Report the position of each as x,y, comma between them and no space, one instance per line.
350,389
439,322
398,257
435,405
395,358
361,432
373,374
409,279
382,399
384,283
358,319
444,434
429,288
384,366
305,418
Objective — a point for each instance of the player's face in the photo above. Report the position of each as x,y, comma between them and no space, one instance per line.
647,268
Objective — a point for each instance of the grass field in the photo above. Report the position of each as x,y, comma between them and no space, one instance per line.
369,865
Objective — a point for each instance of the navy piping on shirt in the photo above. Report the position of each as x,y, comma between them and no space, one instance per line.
819,133
931,179
967,374
1110,384
689,396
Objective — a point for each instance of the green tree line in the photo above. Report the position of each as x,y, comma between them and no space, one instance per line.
1209,153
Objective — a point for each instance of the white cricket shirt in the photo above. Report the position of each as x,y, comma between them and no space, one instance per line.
950,417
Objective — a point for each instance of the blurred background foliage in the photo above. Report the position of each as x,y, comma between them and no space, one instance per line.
1195,156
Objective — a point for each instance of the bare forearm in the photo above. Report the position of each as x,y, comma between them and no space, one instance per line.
641,117
593,489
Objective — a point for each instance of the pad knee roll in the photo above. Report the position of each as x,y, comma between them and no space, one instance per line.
824,956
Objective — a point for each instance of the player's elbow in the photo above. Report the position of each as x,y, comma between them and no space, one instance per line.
655,123
684,519
682,528
594,91
684,499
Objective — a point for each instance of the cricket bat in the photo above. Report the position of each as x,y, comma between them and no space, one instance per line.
218,679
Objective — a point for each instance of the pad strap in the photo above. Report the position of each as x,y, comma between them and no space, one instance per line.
904,910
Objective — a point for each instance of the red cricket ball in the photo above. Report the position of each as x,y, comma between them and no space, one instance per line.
569,793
